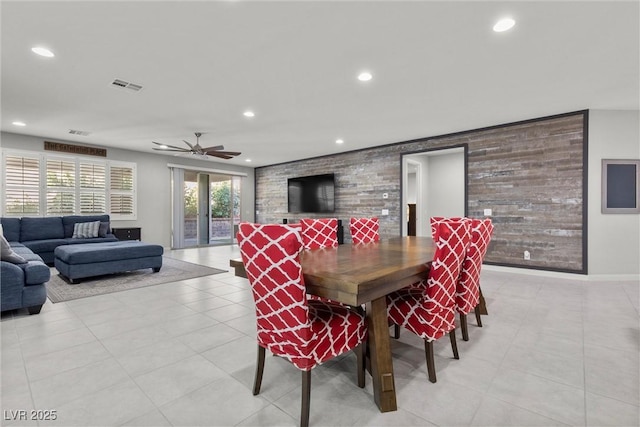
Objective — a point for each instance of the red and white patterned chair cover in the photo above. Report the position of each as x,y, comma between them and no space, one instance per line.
436,219
430,312
364,230
468,290
319,233
305,332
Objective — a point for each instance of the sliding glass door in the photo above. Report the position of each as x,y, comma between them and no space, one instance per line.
224,205
206,208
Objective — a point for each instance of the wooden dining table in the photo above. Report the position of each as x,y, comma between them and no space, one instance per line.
365,274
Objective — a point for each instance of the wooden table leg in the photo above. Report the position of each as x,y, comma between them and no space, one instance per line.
238,267
380,352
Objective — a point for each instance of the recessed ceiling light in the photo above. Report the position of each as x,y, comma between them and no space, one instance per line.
249,113
164,146
365,76
503,25
247,160
17,123
42,51
339,141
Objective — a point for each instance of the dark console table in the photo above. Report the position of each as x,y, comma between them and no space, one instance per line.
128,233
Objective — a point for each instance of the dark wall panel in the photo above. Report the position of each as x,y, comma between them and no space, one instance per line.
530,174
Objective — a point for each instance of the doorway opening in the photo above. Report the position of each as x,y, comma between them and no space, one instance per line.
434,183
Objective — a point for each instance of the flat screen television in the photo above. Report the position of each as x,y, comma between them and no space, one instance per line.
311,194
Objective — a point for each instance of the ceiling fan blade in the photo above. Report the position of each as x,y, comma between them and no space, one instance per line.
216,148
169,146
224,153
181,150
217,154
190,146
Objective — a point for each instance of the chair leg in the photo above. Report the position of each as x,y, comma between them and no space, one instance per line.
359,350
306,398
259,370
396,331
454,345
431,364
463,326
478,319
483,303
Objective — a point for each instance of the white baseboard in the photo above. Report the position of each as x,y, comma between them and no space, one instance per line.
559,275
615,277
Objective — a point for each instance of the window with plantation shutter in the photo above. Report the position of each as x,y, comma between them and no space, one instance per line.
40,184
121,190
60,186
22,185
92,188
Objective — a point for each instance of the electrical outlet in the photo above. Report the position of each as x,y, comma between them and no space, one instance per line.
385,212
527,255
488,212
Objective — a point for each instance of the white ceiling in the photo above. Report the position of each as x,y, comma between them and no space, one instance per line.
438,68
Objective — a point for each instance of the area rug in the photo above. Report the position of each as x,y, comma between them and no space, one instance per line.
58,289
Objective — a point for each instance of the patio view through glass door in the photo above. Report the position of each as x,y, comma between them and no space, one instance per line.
211,208
224,208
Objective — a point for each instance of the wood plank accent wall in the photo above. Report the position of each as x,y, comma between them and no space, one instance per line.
531,174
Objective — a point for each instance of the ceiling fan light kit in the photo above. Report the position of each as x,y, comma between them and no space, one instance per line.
197,149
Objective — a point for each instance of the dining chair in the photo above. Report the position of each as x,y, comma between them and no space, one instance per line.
436,219
468,287
305,332
319,232
429,312
422,284
364,230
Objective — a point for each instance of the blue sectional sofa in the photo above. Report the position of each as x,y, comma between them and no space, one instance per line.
44,234
23,285
35,239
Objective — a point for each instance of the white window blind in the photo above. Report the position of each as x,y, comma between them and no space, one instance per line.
92,188
61,187
22,185
121,195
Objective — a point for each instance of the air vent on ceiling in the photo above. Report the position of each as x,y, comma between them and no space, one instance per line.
79,132
126,85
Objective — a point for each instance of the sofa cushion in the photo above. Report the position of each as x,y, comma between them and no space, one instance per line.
109,238
11,229
104,229
70,221
40,246
85,230
41,228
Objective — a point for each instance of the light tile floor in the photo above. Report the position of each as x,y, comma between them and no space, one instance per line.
552,352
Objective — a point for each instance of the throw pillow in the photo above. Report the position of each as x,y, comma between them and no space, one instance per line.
86,230
104,229
7,254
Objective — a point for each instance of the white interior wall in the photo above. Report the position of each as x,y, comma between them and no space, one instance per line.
154,184
613,239
445,180
411,188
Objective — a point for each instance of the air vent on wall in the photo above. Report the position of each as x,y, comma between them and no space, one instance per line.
79,132
126,85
